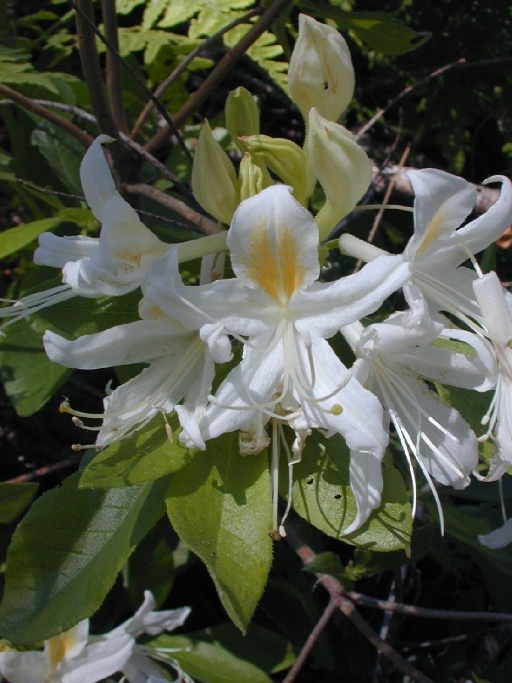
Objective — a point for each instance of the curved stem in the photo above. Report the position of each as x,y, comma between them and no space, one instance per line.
221,70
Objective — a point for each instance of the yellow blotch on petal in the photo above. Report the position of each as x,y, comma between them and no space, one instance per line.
434,230
275,263
58,646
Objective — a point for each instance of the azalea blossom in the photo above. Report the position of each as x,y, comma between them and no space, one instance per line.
439,246
496,311
498,538
77,657
393,359
110,265
181,361
283,316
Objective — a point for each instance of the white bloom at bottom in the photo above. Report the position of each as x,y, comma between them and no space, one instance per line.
76,657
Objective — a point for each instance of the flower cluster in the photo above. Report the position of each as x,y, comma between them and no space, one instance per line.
287,380
75,656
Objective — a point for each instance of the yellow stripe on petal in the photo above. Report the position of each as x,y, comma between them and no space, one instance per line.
275,265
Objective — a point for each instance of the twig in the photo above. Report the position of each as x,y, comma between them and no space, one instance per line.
221,70
161,109
184,64
46,469
405,92
114,84
335,590
205,225
45,113
426,612
91,66
332,606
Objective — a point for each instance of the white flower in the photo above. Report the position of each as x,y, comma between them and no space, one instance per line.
77,657
393,357
496,310
111,265
439,246
289,373
499,538
181,361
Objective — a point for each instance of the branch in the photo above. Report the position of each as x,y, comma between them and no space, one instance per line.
114,84
425,612
183,65
91,66
335,590
205,225
221,70
43,112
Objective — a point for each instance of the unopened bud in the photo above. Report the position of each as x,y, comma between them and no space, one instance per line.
320,73
214,180
253,177
341,166
242,115
282,157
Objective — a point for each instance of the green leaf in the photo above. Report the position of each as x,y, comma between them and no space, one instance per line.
222,655
379,30
147,456
327,563
220,507
14,239
67,552
63,153
29,376
14,498
472,405
322,495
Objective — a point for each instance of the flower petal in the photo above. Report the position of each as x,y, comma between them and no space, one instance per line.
56,251
274,243
491,225
499,538
97,181
23,667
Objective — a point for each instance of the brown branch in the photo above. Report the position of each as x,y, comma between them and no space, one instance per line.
91,67
486,196
335,590
43,112
114,83
332,606
425,612
221,70
205,225
405,92
72,461
184,64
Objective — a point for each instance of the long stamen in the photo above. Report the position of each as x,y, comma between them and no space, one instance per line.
34,303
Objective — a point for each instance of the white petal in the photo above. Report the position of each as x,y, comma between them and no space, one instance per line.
324,307
273,242
56,251
97,181
23,667
499,538
491,225
98,660
137,342
366,483
442,203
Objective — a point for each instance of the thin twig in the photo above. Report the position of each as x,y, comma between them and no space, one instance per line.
221,70
332,606
405,92
45,113
204,224
335,590
184,64
73,460
134,75
425,612
114,83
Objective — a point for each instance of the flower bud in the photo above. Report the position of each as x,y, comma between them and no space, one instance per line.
242,115
341,166
320,73
214,178
282,157
253,177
